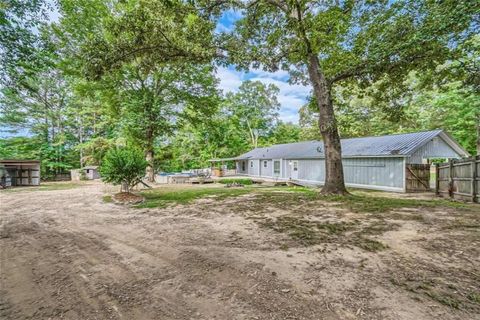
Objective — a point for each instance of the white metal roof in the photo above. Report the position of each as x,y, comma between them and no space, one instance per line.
397,145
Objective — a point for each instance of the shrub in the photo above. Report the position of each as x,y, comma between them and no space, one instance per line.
239,181
123,166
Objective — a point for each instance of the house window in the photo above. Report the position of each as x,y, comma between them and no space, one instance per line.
243,165
295,165
88,170
276,167
264,164
251,164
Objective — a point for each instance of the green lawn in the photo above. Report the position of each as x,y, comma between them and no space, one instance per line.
47,186
244,181
358,201
163,197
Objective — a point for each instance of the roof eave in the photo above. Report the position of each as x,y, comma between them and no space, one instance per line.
343,157
451,141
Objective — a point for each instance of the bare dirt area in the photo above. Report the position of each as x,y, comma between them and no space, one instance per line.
68,254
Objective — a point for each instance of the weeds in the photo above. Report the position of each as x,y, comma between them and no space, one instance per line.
162,197
374,204
107,199
370,244
244,181
47,186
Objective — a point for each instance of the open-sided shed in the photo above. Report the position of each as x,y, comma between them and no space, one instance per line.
14,172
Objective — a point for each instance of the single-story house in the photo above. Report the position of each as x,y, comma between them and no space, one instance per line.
19,173
379,162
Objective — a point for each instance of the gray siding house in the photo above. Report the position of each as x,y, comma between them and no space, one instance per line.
372,162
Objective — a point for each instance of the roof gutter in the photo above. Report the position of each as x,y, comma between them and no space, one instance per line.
344,157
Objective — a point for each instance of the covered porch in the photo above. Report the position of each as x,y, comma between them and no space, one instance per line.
228,167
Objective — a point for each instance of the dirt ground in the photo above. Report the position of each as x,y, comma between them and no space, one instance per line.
67,254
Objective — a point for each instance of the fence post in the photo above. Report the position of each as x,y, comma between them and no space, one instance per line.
437,180
450,177
474,178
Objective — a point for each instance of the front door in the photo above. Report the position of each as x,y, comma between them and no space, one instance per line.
294,170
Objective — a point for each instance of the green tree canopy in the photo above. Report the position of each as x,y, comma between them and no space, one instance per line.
123,166
349,41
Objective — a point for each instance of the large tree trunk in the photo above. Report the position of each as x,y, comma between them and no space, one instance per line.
150,169
334,180
149,155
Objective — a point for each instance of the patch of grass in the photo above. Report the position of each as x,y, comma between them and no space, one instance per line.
370,245
244,181
407,216
474,297
449,295
379,227
107,199
360,202
463,224
306,231
445,299
164,197
47,186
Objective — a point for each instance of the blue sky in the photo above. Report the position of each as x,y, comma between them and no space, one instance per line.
291,97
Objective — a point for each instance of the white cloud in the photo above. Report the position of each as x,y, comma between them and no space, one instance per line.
227,21
230,79
291,96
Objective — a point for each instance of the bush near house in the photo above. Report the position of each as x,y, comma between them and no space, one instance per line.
238,181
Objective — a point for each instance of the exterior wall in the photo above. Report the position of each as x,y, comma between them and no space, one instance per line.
371,173
436,148
375,172
359,172
253,167
285,170
92,174
268,170
239,167
311,170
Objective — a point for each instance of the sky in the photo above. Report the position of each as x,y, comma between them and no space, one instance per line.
291,96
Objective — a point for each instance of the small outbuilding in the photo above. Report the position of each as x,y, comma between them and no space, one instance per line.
399,162
88,173
14,172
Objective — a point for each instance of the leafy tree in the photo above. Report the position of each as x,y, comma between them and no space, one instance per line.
20,148
337,41
38,104
255,108
18,40
152,100
284,132
123,166
166,32
193,144
453,107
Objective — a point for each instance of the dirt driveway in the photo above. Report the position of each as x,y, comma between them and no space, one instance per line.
66,254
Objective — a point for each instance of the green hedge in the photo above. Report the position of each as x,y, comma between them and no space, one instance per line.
240,181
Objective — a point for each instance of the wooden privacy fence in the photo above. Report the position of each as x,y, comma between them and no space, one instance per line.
459,179
417,177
